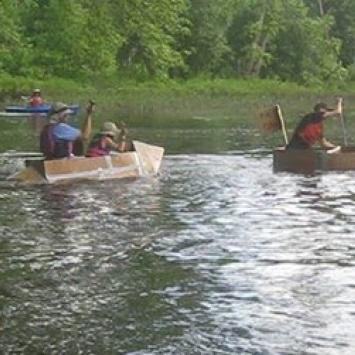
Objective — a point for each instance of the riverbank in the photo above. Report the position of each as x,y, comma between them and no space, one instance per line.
193,103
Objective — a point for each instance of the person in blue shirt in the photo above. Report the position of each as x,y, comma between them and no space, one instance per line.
60,140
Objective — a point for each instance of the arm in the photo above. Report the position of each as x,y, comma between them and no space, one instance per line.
119,147
337,111
123,142
87,125
110,144
326,144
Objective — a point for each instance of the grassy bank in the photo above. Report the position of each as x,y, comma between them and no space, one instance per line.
231,105
190,103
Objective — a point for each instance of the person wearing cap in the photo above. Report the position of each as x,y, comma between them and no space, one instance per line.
104,143
60,140
36,99
310,130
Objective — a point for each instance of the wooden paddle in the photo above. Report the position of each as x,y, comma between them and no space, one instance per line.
282,122
271,120
344,129
87,125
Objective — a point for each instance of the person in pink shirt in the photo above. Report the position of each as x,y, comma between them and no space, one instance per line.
36,98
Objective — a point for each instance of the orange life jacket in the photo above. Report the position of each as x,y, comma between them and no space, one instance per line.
312,132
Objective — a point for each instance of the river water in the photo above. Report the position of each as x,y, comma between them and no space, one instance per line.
216,255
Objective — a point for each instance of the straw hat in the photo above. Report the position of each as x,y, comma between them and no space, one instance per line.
109,128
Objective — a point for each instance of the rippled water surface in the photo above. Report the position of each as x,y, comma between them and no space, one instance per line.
217,255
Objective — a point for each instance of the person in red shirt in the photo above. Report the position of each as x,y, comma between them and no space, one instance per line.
310,130
36,99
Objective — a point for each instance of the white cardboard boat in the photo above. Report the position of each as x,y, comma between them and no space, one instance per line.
145,160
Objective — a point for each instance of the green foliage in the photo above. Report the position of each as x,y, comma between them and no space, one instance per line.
207,46
100,41
304,50
150,29
71,38
14,49
255,27
276,38
344,25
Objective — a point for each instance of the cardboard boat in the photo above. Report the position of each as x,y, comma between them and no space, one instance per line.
145,160
309,161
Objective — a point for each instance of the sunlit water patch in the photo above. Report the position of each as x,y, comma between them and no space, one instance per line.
217,255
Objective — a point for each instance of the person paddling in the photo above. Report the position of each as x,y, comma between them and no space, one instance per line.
36,99
310,130
60,140
105,141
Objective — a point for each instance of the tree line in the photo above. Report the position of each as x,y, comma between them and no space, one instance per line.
307,41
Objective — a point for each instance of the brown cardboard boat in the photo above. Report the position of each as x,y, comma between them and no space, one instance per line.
145,160
309,161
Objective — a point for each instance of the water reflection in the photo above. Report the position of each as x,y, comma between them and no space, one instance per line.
216,255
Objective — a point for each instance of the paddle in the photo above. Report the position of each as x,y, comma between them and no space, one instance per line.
344,129
282,122
87,125
271,120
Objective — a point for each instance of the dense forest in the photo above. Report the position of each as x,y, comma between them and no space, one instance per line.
309,41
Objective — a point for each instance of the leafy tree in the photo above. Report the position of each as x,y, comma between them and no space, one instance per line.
207,44
71,38
343,27
14,51
101,38
149,30
279,38
307,41
305,51
255,26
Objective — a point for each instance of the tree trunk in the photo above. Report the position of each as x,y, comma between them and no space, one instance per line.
321,8
254,61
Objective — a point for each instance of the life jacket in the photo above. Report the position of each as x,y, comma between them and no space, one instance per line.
53,148
310,129
62,149
312,133
98,147
36,101
47,141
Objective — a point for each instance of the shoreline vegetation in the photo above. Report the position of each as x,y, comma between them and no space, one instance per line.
165,63
172,103
202,103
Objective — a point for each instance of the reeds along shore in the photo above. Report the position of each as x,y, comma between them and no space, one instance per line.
191,103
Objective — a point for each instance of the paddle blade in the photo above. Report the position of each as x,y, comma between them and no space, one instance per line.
269,119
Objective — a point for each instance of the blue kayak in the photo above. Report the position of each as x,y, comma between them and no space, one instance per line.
45,108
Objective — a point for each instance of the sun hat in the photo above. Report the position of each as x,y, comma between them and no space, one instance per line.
109,128
36,91
59,107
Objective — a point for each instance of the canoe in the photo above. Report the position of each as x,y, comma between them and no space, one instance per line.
45,108
144,161
21,115
309,161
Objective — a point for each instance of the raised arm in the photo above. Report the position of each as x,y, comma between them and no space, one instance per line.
337,111
87,124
